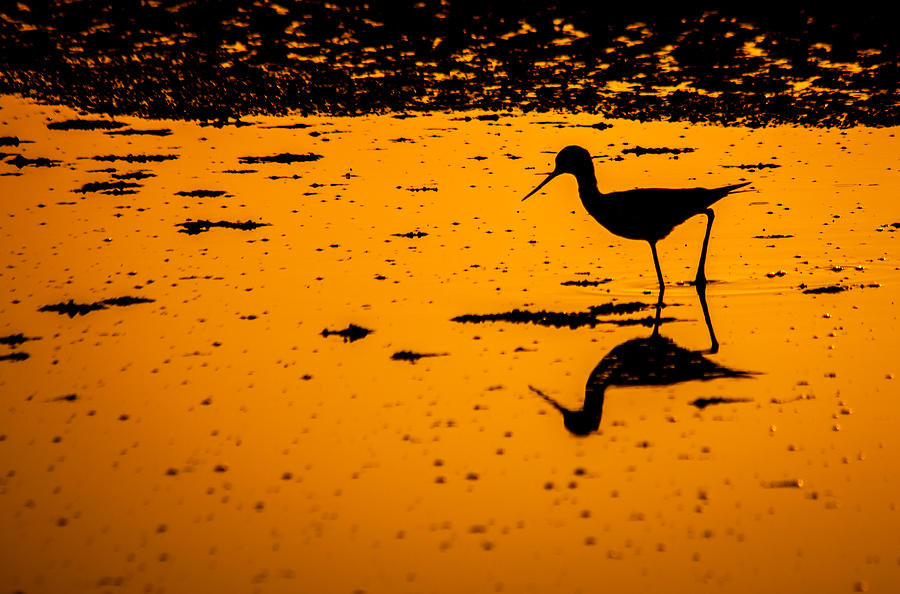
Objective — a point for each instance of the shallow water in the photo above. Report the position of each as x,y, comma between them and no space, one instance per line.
214,439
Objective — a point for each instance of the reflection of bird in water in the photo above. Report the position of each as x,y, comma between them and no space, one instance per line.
652,361
649,214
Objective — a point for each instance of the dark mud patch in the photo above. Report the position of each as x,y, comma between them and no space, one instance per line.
135,132
134,175
126,301
488,117
572,320
828,290
702,403
223,122
297,126
106,187
85,125
129,158
351,333
412,357
202,193
585,283
20,162
281,158
202,226
15,340
410,234
563,124
9,141
16,356
752,167
640,151
619,308
72,309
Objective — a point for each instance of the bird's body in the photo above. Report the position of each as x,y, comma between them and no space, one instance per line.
648,214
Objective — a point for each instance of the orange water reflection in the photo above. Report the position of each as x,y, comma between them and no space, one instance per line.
218,441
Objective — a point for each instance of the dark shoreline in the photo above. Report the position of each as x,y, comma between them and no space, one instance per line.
207,61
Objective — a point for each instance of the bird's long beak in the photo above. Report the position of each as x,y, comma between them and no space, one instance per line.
543,183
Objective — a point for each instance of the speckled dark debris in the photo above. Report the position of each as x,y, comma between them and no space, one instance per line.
412,356
351,333
129,158
640,150
201,193
106,186
702,403
20,162
135,132
72,309
133,175
753,167
86,124
202,226
281,158
14,340
585,283
826,290
568,319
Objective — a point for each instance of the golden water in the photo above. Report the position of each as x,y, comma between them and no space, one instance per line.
342,470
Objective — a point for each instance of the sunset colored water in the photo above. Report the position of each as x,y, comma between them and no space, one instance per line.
195,421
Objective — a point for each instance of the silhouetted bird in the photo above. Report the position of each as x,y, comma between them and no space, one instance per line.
652,361
648,213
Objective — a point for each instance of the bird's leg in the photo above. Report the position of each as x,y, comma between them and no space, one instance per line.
701,268
656,322
714,344
662,285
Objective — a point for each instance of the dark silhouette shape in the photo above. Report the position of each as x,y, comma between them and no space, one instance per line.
281,158
702,403
202,226
412,357
129,158
351,333
652,361
85,125
572,320
649,214
72,309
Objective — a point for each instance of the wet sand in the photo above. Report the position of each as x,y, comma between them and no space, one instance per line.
283,401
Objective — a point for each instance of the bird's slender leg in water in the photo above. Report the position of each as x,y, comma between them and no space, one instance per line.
656,322
662,285
701,268
701,294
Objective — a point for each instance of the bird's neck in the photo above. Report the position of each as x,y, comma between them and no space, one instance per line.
587,188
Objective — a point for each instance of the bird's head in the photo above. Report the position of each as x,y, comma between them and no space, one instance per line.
572,159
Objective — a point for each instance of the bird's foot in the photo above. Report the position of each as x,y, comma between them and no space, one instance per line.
699,281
